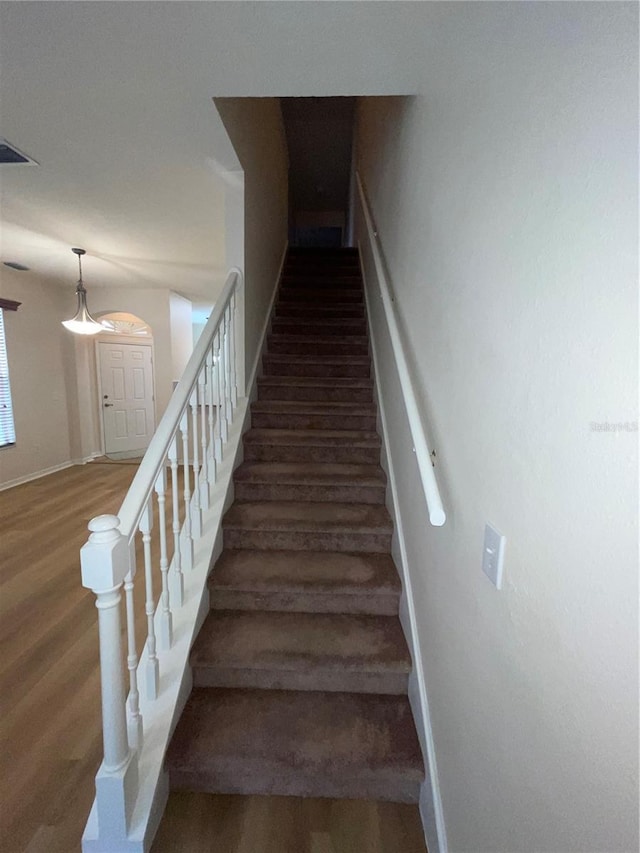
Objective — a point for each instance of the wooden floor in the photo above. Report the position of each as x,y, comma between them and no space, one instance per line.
50,734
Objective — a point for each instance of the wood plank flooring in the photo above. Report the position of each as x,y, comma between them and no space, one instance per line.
50,732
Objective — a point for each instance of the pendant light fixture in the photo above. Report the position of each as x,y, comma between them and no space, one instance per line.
82,323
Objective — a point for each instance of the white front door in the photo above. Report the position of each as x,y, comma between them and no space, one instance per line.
126,378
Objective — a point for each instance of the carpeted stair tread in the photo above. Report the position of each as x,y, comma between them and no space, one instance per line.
318,295
301,651
310,481
311,344
316,573
297,743
317,381
314,473
311,516
322,326
286,338
313,437
310,309
313,407
312,414
276,364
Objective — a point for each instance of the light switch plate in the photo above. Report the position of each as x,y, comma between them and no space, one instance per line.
493,555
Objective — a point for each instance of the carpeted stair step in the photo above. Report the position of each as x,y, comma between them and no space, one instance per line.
304,481
294,414
283,364
320,282
315,345
312,445
312,526
296,743
333,390
329,295
305,581
335,652
317,311
324,327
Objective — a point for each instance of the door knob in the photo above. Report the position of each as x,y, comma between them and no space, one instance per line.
106,405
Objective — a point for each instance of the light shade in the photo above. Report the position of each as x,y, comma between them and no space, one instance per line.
82,323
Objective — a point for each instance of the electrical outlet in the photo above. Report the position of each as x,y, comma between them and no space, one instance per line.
493,555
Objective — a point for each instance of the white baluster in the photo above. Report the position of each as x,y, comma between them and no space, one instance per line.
219,388
104,562
187,540
166,621
196,512
152,669
212,466
204,456
177,594
232,350
134,717
224,372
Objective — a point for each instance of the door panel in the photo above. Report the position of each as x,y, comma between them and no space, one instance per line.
126,375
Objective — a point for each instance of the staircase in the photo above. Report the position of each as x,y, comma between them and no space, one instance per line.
301,668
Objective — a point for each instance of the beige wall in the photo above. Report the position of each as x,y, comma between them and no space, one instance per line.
181,333
256,131
40,358
506,208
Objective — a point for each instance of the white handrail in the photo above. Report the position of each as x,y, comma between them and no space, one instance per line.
144,481
437,515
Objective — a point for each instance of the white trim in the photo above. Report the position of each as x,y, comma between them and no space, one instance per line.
431,811
265,329
27,478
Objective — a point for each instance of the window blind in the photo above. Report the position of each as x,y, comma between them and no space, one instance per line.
7,428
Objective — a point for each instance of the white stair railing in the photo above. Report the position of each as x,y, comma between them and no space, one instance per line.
196,424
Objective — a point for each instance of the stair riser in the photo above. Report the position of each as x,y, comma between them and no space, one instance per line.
257,779
309,310
321,282
264,420
381,604
347,370
320,297
332,681
302,453
315,394
308,268
294,326
298,492
279,540
282,346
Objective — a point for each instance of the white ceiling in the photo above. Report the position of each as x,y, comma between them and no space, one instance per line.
114,101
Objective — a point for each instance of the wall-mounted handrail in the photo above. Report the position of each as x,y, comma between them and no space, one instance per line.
437,515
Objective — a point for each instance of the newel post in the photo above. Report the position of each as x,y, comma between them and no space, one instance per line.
104,562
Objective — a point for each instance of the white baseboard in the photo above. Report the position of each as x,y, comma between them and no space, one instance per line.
431,811
35,475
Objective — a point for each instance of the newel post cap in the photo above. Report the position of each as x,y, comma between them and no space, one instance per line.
104,558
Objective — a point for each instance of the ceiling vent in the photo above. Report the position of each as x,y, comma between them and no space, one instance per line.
12,156
14,265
